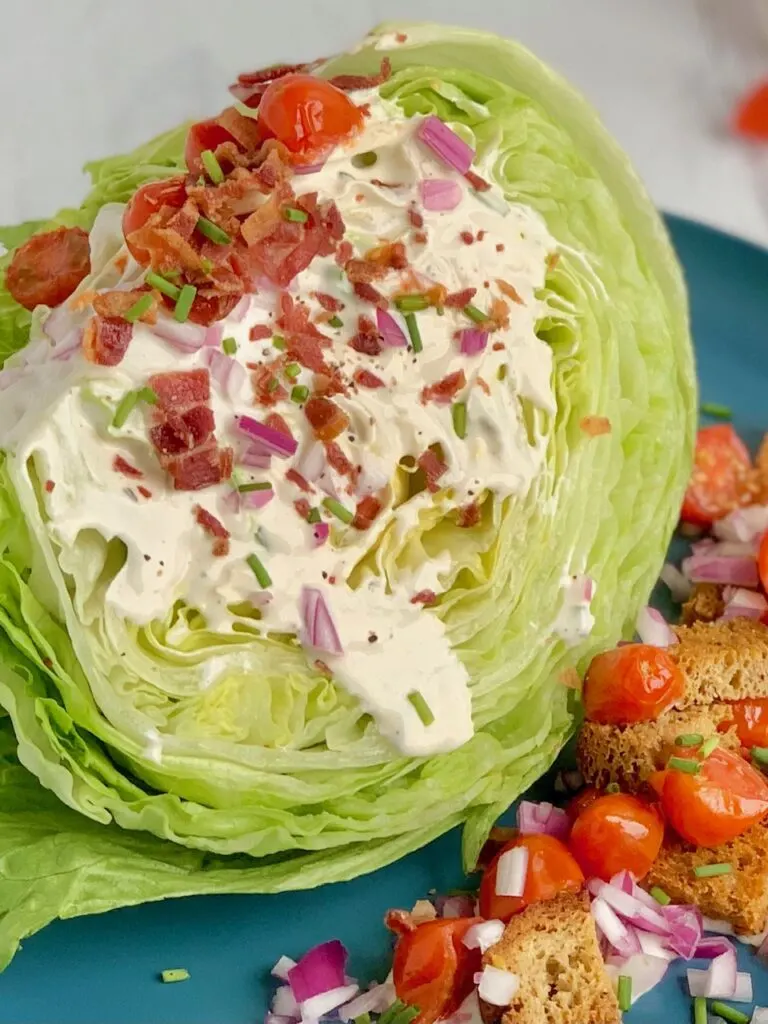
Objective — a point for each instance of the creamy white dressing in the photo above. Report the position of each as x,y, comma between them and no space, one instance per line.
575,620
58,413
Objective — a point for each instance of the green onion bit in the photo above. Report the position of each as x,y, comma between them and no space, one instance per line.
685,764
184,303
413,332
475,314
273,384
712,870
690,739
412,303
206,265
260,485
212,166
728,1013
625,992
314,515
161,284
459,417
660,896
279,342
709,745
365,1018
138,309
174,974
292,370
613,787
365,159
259,571
335,321
229,345
148,395
295,216
338,510
299,393
699,1010
716,411
760,754
128,403
212,231
420,706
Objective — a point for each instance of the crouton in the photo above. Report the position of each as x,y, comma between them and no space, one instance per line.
722,661
704,605
628,754
740,897
552,947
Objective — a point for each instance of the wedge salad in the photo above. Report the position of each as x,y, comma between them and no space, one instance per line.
337,432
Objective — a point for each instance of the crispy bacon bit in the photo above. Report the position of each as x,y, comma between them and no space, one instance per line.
444,390
481,235
415,218
483,385
500,247
478,184
367,340
47,268
367,509
326,418
364,271
215,528
469,515
251,85
350,83
436,295
296,478
328,383
458,300
420,237
391,255
595,426
322,668
432,467
368,293
183,388
509,290
467,237
329,303
344,253
144,492
49,486
259,332
203,467
276,422
400,922
401,37
338,460
386,184
177,432
366,379
553,260
425,597
303,507
106,340
498,315
267,389
121,465
115,304
498,346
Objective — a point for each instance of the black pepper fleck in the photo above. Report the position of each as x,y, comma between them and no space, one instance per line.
372,638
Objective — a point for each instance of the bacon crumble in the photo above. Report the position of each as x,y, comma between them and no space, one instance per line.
215,528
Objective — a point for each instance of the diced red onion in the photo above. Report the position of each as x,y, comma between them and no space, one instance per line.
473,341
446,144
743,524
255,458
256,499
511,872
284,1003
629,908
625,881
58,323
320,534
712,946
759,1015
312,462
68,345
645,971
227,372
9,376
621,938
742,603
214,335
392,335
282,967
318,1006
652,628
318,628
186,337
686,929
484,935
543,819
308,168
275,1018
376,1000
654,945
679,586
706,568
319,970
240,311
718,981
454,906
269,441
498,987
440,194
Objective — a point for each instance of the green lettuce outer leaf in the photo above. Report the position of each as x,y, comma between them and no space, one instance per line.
309,793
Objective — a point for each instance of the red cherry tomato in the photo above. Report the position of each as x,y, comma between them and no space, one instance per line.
433,969
762,568
751,720
551,869
201,136
724,799
633,683
751,116
47,268
582,801
309,116
148,200
720,479
617,832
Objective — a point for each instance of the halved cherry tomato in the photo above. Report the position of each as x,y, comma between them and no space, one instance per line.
201,136
751,720
433,969
551,869
309,116
47,268
617,832
582,801
762,568
146,201
633,683
751,115
724,799
720,479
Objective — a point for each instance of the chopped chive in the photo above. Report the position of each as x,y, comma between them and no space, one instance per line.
229,346
295,216
273,384
174,974
292,370
365,159
259,571
338,510
389,1015
364,1018
709,745
440,310
138,309
212,166
660,896
279,342
685,764
712,870
335,321
147,395
184,303
501,373
728,1013
406,1015
299,393
160,283
260,485
690,739
412,303
760,754
459,417
313,516
420,706
212,231
173,274
699,1010
716,411
625,992
206,265
413,332
613,787
475,314
128,403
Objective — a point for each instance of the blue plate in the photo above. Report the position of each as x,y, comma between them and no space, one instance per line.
104,970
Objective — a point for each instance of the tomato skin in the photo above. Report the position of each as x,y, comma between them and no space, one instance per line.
720,479
617,832
751,720
551,869
723,800
751,115
582,801
762,569
48,267
433,969
309,116
633,683
201,136
148,200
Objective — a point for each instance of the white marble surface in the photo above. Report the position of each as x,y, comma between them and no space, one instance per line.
83,78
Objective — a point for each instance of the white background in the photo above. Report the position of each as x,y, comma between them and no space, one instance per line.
85,78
